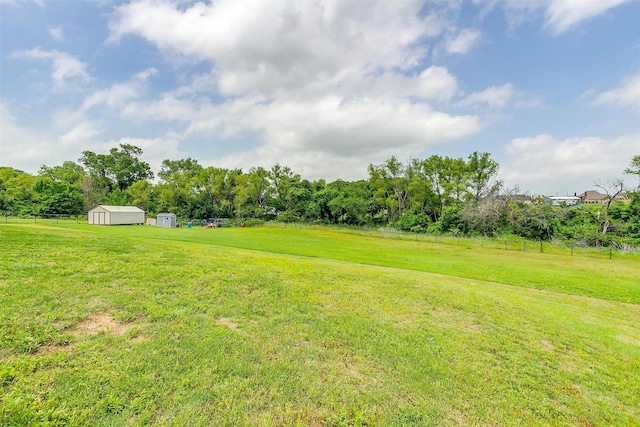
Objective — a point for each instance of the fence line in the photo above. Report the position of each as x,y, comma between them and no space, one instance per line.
34,218
521,245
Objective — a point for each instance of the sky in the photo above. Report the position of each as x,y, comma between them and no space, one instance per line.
551,88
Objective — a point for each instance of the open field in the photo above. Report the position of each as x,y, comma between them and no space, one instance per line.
149,326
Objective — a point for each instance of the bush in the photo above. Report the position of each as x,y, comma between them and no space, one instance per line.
253,222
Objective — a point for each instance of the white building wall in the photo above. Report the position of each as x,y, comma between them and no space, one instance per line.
101,216
122,218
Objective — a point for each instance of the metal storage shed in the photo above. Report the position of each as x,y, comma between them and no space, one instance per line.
166,220
116,215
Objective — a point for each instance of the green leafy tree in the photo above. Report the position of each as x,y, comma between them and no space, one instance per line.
16,190
126,166
391,186
117,170
55,197
217,185
254,193
349,202
282,179
456,179
634,169
178,185
482,170
70,172
140,194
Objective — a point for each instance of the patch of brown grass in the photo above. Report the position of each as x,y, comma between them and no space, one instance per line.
100,322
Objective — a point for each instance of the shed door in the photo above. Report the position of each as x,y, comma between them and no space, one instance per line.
98,218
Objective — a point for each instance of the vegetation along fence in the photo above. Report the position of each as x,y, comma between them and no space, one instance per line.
511,243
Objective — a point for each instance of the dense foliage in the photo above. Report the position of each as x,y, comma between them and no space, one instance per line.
437,194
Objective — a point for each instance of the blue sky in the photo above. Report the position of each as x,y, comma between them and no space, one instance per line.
551,88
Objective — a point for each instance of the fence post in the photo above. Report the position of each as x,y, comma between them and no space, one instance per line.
540,247
610,252
571,247
35,217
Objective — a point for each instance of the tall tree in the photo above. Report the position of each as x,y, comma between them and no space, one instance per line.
282,179
116,170
56,197
254,193
482,171
126,166
456,179
70,172
634,169
433,169
15,190
178,183
218,187
391,185
141,194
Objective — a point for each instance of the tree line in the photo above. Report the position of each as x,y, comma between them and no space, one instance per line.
438,194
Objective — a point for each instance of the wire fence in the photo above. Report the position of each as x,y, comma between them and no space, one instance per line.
495,243
47,218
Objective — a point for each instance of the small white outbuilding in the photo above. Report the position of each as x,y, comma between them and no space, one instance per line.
116,215
166,220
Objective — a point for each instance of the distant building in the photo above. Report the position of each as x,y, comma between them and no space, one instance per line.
593,196
563,200
166,220
116,215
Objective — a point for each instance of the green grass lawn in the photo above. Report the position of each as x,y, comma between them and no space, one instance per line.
272,326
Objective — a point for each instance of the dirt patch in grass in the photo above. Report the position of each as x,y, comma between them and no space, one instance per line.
51,348
100,322
225,321
547,346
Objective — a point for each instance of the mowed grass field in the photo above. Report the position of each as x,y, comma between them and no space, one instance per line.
272,326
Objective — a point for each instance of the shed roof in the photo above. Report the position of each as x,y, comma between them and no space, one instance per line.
121,208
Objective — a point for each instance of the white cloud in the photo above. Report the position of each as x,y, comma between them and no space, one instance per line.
118,94
323,86
463,41
20,147
565,14
560,15
269,48
56,33
626,94
333,137
65,68
16,2
26,149
494,97
566,166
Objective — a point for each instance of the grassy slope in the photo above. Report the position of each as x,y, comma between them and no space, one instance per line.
599,278
221,335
